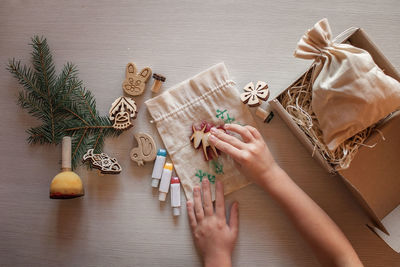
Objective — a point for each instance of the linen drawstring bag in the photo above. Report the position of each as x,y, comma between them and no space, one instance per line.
209,96
350,92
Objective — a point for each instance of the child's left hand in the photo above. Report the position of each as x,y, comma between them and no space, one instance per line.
214,238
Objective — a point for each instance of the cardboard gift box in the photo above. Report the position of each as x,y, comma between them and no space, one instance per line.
374,173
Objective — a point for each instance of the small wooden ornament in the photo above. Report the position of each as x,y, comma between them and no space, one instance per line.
252,96
103,162
158,81
201,137
122,112
146,150
135,83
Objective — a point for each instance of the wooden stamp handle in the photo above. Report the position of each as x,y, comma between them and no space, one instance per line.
66,153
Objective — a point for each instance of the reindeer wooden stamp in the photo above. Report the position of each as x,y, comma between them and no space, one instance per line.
200,136
146,150
135,83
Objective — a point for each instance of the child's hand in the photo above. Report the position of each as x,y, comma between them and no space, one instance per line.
213,237
252,154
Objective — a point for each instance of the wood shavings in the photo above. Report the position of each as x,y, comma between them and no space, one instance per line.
296,100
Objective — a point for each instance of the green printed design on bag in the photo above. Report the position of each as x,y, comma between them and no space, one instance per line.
202,174
217,166
221,115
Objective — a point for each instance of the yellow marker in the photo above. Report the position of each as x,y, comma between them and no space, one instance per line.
66,184
165,180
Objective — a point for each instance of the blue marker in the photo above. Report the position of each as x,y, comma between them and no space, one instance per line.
158,167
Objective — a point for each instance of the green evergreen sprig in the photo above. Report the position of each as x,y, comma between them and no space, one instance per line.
61,102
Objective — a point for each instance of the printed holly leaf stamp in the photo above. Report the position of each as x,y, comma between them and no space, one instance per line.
253,96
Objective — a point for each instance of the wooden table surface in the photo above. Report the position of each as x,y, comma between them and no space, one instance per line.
120,222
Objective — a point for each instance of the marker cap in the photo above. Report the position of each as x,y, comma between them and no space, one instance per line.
168,166
162,152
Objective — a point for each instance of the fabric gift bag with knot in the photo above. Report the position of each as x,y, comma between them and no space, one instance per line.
211,97
350,92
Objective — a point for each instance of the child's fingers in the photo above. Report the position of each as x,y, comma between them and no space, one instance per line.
198,207
254,132
234,218
207,202
192,217
225,147
227,138
243,131
219,200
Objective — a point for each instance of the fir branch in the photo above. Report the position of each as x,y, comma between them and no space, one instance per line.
61,102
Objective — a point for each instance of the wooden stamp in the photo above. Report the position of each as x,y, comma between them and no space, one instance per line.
201,137
252,96
103,162
265,115
158,80
146,150
135,83
122,112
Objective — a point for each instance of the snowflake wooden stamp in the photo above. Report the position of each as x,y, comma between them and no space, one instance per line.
146,150
135,83
102,162
252,96
200,135
122,112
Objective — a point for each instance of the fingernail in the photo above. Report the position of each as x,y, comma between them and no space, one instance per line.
205,181
212,138
213,130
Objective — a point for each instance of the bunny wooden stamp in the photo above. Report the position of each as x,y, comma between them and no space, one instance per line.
135,83
146,150
122,112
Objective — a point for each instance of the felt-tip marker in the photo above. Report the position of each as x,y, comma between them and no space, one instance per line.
158,167
165,180
176,196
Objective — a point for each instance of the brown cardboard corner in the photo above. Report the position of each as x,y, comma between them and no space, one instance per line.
375,172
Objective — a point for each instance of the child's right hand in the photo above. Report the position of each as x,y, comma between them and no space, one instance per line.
252,154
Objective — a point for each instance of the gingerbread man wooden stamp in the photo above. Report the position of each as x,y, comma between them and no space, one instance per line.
146,150
135,83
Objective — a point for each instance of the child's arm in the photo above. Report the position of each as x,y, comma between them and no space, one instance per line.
256,162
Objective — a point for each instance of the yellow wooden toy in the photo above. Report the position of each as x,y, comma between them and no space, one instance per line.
66,184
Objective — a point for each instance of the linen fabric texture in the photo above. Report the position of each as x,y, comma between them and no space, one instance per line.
209,96
350,92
